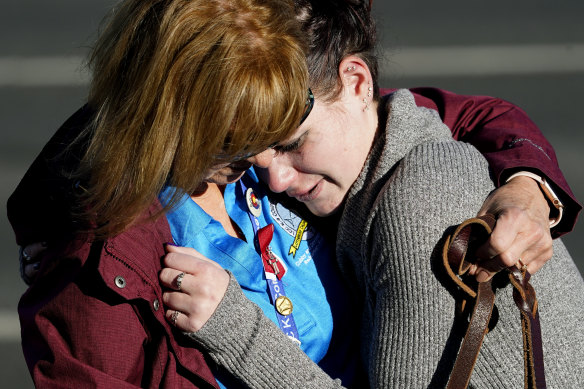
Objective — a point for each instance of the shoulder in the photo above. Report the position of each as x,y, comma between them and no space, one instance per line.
123,264
141,246
45,194
443,182
435,186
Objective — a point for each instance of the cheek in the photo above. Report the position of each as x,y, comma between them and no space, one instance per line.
319,155
310,162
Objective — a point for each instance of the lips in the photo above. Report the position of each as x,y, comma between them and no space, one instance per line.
309,195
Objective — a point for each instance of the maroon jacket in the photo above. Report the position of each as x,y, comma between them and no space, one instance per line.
93,315
95,318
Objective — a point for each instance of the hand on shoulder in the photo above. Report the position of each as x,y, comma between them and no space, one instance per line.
522,231
196,285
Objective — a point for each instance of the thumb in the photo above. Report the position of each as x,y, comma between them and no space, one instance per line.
186,256
172,248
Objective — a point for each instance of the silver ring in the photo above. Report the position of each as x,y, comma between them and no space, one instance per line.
179,279
174,317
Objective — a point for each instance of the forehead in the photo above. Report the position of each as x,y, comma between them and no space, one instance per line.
296,134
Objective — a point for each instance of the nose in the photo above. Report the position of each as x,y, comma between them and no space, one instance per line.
279,175
263,159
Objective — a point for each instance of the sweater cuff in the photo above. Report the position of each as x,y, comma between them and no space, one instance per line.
251,347
234,316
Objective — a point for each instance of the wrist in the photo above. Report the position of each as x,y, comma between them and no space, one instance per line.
556,205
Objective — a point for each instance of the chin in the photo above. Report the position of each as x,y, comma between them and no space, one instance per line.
323,211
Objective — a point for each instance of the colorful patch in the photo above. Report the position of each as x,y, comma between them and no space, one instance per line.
293,225
254,205
298,238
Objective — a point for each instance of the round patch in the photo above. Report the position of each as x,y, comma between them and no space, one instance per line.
284,305
289,221
253,204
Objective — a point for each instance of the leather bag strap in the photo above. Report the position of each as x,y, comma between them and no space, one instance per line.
473,339
524,297
460,244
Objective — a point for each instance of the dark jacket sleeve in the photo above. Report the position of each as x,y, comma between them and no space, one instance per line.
76,333
39,209
507,138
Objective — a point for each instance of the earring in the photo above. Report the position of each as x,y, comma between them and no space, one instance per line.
351,68
365,100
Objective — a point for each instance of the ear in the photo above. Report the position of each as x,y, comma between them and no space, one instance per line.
356,78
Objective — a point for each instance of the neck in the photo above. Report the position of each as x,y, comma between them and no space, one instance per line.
209,196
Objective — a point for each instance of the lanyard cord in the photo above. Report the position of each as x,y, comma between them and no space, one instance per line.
274,269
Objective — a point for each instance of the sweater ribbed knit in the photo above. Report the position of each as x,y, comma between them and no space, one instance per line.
416,183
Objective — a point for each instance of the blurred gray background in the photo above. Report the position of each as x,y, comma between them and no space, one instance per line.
528,52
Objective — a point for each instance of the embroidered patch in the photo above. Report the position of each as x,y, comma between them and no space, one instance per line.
298,238
293,225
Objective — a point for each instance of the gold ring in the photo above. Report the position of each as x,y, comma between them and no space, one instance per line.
174,317
179,279
523,266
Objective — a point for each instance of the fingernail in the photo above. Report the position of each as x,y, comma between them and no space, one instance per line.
170,244
483,276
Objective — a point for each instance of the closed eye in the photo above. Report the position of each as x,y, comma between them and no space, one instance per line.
292,146
288,148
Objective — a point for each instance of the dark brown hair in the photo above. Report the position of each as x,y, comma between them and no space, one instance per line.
335,29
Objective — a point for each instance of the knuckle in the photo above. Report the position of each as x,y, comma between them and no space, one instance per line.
507,259
165,274
204,269
513,214
538,234
547,254
169,259
192,324
193,305
207,290
497,242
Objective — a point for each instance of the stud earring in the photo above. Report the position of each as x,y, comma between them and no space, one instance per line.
365,100
351,68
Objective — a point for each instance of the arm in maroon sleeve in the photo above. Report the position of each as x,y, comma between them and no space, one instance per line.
508,139
71,339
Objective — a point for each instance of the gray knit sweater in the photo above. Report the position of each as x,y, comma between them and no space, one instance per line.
416,183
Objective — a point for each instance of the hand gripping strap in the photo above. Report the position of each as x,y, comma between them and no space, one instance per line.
456,263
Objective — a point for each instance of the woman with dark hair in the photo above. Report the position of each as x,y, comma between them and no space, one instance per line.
390,171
